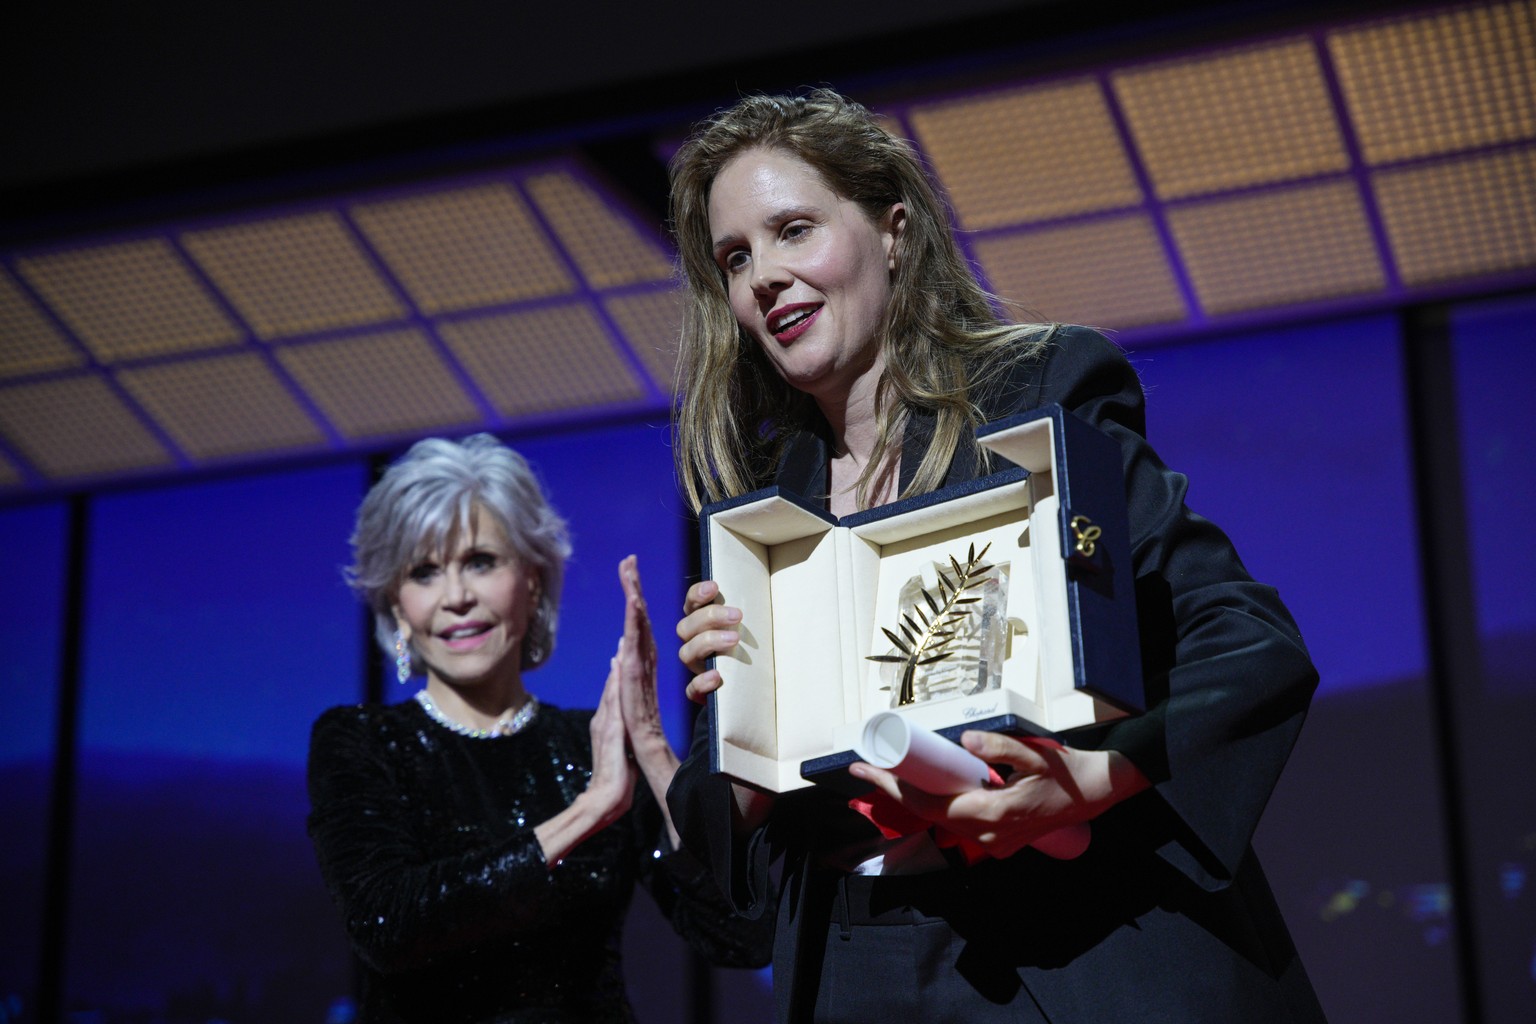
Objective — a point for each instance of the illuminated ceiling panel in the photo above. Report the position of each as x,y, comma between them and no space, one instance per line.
1303,244
1253,117
1105,273
553,357
295,275
76,426
464,248
129,300
1209,191
1424,86
604,243
380,385
222,406
1005,158
651,321
31,344
1473,215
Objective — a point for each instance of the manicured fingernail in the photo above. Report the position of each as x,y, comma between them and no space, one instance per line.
729,637
733,615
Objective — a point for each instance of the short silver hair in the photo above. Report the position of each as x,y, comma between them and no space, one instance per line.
423,501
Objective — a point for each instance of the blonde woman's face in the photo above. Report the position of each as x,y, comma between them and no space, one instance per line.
808,272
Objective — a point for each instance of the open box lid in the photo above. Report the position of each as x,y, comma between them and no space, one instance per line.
808,585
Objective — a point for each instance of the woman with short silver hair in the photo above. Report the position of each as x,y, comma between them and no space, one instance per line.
483,846
432,492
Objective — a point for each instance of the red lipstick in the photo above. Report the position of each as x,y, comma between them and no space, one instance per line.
796,327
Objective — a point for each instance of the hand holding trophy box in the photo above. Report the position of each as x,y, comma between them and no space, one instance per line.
1006,603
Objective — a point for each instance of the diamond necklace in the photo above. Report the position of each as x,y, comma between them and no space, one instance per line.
509,723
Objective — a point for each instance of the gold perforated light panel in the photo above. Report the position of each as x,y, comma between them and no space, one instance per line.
28,342
554,357
294,275
1451,81
382,384
464,248
1106,273
1006,159
603,242
76,426
222,406
129,300
1474,215
529,292
1299,245
1247,118
651,321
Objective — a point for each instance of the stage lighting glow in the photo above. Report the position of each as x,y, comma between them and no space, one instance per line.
295,275
32,343
380,385
464,248
77,426
130,299
222,406
538,360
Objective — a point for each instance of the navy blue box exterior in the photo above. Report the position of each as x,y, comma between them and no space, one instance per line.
1101,587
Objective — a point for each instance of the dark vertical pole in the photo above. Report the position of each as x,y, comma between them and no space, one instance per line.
373,663
701,974
1456,676
61,810
373,657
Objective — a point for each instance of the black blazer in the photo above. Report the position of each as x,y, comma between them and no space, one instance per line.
1167,916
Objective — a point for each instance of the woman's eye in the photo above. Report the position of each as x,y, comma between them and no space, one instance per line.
480,561
423,573
793,232
735,260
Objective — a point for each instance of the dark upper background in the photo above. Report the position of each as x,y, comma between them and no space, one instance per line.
111,114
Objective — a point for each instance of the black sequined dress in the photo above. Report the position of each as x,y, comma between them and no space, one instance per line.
425,838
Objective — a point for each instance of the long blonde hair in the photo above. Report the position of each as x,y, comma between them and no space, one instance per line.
940,335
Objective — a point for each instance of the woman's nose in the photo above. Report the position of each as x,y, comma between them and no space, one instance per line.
769,275
456,592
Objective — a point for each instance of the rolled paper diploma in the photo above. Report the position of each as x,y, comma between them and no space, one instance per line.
935,765
925,759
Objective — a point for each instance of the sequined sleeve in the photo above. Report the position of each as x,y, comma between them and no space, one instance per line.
403,909
688,895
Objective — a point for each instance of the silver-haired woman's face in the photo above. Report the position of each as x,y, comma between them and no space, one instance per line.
465,609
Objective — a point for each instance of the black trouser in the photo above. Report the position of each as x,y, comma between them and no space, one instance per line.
890,955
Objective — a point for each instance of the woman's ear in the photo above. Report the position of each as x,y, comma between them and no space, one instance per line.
893,225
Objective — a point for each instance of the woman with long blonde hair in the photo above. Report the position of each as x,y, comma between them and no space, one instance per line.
835,342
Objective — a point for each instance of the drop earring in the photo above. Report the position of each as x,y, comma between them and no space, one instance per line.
402,657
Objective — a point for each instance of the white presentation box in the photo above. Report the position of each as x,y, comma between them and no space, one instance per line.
1006,603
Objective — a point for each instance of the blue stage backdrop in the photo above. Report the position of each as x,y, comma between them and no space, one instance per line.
32,560
1295,442
1496,383
216,624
